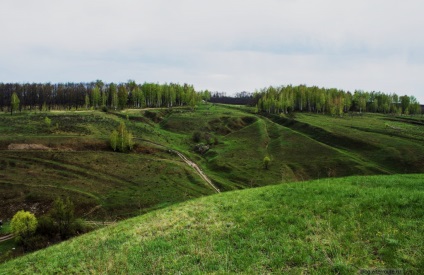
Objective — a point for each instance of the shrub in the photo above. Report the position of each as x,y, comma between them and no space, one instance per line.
23,225
267,160
48,121
46,226
197,136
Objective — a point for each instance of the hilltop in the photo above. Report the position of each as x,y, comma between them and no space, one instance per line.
327,226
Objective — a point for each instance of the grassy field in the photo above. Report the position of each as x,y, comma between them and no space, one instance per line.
308,146
74,158
80,164
324,226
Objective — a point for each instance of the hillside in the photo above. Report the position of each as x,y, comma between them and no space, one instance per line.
326,226
74,159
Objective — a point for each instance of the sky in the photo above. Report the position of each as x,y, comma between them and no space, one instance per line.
228,46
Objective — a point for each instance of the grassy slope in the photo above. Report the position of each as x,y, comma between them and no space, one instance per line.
82,167
309,147
329,225
312,146
393,144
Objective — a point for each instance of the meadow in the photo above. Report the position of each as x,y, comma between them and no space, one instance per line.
70,156
326,226
76,159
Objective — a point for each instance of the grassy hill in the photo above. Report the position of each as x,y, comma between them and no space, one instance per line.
109,185
76,161
326,226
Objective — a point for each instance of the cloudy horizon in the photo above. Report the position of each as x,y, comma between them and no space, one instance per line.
229,46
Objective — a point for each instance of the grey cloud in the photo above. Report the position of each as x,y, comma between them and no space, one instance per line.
220,45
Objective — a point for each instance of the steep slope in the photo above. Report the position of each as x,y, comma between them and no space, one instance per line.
330,225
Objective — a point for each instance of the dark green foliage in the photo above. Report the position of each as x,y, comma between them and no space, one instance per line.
197,136
62,214
47,227
266,162
122,97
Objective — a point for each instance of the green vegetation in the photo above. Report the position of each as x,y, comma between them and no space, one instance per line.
285,99
267,160
229,144
325,226
23,226
5,228
14,103
121,139
73,158
77,96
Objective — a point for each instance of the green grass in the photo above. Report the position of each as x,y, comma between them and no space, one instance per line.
123,184
81,165
324,226
5,228
391,143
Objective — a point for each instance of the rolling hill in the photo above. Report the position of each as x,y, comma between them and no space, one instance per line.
325,226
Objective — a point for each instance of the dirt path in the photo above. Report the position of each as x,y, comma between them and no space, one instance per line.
188,162
200,172
6,238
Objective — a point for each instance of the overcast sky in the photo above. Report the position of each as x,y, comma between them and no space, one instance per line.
219,45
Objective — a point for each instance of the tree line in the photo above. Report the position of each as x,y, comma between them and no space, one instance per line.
97,94
285,99
242,98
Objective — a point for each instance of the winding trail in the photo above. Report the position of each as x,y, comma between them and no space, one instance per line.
6,238
188,162
198,170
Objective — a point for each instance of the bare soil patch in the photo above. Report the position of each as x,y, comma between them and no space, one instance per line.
25,146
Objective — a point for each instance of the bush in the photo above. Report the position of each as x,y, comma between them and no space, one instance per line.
78,227
197,136
48,121
35,242
23,225
46,226
267,160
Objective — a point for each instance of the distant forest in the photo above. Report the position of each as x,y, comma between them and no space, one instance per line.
285,99
67,96
282,99
243,98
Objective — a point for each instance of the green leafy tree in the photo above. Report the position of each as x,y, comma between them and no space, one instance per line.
95,97
87,101
121,140
62,214
122,97
114,96
266,162
23,225
14,103
404,103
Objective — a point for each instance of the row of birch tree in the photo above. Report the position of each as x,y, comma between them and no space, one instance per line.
285,99
66,96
